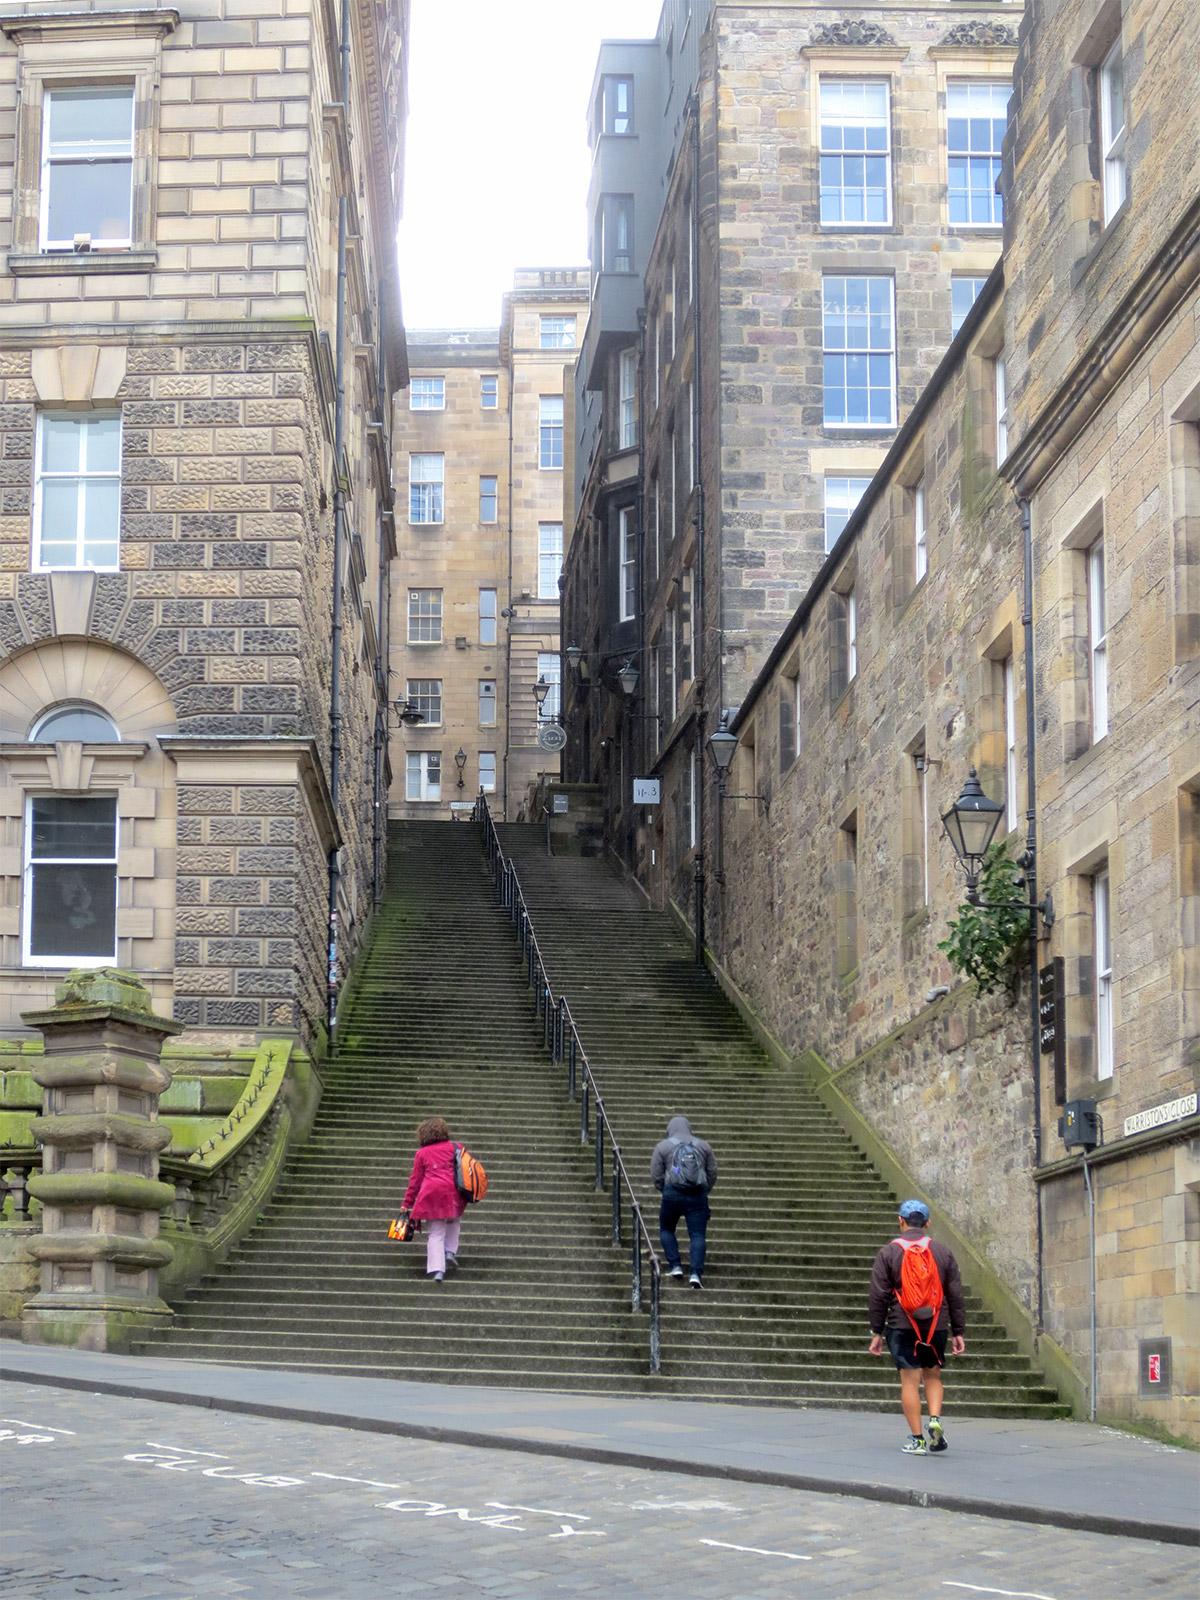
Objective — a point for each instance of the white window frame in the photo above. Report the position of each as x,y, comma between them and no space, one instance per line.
615,86
627,398
550,432
549,666
489,392
691,437
426,488
964,279
487,771
82,477
427,394
851,636
797,722
1102,959
920,533
616,233
672,512
65,962
427,616
110,734
425,696
839,484
423,764
80,90
673,662
1000,393
627,567
848,352
1011,811
1097,598
654,522
485,495
995,205
655,698
550,559
488,614
842,154
556,332
1112,138
487,702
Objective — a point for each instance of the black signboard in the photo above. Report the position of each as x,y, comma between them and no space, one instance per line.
1052,987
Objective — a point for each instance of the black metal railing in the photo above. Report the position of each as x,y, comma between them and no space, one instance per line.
560,1035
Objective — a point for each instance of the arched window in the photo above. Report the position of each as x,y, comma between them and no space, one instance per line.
79,722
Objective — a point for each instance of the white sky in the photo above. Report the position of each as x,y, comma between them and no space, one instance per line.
497,167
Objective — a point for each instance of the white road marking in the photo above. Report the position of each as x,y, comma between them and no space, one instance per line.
536,1511
751,1550
26,1438
19,1422
371,1483
1010,1594
681,1505
186,1450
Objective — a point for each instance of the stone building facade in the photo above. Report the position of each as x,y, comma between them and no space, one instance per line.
175,181
1070,395
483,447
820,183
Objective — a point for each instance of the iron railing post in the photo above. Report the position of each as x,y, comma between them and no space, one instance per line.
599,1149
571,1067
616,1203
655,1326
584,1132
636,1304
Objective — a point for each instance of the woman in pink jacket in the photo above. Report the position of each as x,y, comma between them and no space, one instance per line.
432,1197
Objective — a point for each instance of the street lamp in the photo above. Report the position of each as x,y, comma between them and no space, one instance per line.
460,762
628,677
574,655
722,747
407,713
540,690
970,826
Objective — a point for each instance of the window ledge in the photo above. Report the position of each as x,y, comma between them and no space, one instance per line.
1111,230
1085,757
70,263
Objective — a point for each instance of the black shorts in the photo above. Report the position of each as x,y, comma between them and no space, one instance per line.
902,1342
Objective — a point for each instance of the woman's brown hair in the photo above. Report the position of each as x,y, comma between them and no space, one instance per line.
432,1131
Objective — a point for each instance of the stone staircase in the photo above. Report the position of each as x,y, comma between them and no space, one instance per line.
439,1023
798,1212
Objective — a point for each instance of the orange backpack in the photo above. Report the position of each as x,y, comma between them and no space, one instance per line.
469,1175
920,1291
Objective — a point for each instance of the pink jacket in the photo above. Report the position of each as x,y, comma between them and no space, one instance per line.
432,1193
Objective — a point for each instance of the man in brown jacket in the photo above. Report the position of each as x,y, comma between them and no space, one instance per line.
917,1361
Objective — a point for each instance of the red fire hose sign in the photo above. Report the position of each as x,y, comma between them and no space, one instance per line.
1154,1368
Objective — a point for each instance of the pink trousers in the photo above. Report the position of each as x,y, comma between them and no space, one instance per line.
441,1240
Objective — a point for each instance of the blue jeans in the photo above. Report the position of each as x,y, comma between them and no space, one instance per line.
692,1206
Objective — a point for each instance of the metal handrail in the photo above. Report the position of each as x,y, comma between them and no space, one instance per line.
560,1035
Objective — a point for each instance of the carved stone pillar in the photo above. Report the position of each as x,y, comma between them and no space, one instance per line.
101,1078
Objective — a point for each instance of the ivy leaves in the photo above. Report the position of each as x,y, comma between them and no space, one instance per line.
986,942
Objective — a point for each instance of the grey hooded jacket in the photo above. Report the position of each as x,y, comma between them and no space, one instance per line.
679,1131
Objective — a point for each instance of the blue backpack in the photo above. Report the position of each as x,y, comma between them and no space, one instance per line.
686,1168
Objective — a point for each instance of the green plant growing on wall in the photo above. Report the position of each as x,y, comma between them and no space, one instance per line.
987,942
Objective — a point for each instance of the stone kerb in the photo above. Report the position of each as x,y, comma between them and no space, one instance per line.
101,1077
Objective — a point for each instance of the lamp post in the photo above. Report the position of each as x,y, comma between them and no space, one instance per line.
574,655
722,747
460,762
970,825
407,714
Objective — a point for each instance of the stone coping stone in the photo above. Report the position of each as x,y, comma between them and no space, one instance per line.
1060,1474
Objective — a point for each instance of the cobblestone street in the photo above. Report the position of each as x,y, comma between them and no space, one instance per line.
113,1496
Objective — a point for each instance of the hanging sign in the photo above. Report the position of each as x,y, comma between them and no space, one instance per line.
647,791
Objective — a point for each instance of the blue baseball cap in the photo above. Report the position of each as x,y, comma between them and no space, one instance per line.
914,1210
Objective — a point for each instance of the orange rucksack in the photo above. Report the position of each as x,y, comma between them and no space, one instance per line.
920,1291
469,1175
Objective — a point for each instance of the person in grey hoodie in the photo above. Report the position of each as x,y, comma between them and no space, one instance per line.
683,1169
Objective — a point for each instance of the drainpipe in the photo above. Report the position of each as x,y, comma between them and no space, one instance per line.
381,729
509,603
699,631
1091,1194
345,57
335,672
1029,864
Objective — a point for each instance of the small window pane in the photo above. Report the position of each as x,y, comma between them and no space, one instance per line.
71,827
841,497
75,722
963,294
427,394
487,771
489,393
62,444
90,121
73,912
89,198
